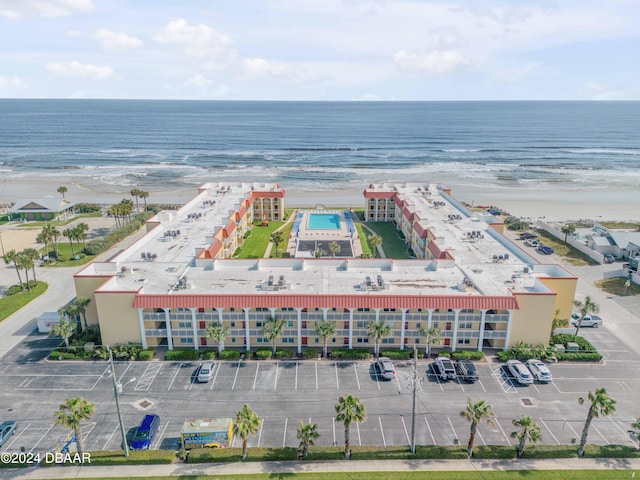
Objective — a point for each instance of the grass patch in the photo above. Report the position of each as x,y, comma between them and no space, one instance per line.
615,286
56,223
256,245
286,233
621,225
367,249
392,244
11,304
569,254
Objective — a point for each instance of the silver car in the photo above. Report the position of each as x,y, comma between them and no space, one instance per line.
385,368
521,373
205,371
539,370
7,428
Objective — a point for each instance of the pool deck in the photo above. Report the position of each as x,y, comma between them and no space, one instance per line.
324,236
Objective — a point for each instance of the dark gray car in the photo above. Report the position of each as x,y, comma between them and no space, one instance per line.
7,429
466,371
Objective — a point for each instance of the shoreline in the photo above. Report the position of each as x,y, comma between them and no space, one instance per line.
554,203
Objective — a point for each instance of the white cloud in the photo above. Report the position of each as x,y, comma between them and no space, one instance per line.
44,8
82,70
111,42
206,88
7,83
260,67
515,74
197,41
599,91
199,81
435,62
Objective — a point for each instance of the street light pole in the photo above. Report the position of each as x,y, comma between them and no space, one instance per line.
415,389
117,389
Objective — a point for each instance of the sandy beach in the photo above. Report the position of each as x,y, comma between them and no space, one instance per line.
555,203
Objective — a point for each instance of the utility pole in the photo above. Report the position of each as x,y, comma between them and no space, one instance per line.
415,390
117,389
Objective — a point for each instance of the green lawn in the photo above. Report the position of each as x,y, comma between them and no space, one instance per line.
570,254
367,249
13,303
256,244
56,223
286,233
616,286
392,244
66,258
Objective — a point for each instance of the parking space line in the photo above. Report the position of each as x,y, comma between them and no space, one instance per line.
275,381
337,382
439,383
358,429
284,435
236,376
218,367
333,423
497,374
558,389
16,437
455,435
316,375
384,440
104,447
255,377
105,372
536,388
600,433
480,436
549,430
430,432
500,427
161,435
259,433
406,432
149,375
569,425
172,380
398,382
483,389
357,379
625,433
45,434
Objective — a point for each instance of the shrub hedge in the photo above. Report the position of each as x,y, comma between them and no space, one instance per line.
564,338
495,451
611,451
310,353
209,355
354,354
468,354
229,355
146,355
550,451
580,356
186,354
396,354
283,354
263,354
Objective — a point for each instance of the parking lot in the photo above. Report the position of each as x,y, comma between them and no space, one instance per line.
283,393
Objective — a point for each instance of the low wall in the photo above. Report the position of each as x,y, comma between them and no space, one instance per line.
578,245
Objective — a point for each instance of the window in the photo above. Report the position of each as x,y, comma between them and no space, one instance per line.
262,309
364,309
186,340
259,323
417,324
290,324
388,340
287,309
466,325
464,341
361,324
184,324
389,309
317,340
233,324
287,340
233,340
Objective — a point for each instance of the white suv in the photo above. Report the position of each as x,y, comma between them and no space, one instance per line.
539,370
588,320
520,372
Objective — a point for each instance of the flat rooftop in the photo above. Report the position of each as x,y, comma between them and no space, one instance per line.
484,262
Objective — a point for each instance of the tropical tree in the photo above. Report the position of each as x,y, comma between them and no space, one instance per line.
72,413
81,232
247,422
81,304
306,433
378,330
143,195
349,409
63,329
334,247
70,233
558,322
635,431
475,413
326,330
33,255
375,241
600,404
62,190
135,193
12,257
318,252
277,239
44,238
25,263
568,230
431,336
55,233
529,430
586,307
218,333
271,329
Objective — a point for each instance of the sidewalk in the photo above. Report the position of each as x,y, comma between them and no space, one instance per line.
291,468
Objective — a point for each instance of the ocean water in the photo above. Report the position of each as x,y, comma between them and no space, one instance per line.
323,145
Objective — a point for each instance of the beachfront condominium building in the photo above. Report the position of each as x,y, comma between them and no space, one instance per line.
477,288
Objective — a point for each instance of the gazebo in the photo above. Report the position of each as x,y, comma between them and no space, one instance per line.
43,209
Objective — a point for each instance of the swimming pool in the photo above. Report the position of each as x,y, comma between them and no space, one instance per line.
324,221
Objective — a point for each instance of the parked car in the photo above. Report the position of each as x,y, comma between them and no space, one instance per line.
384,367
145,432
494,211
520,372
443,368
527,235
466,370
204,372
532,242
7,428
539,370
609,259
588,320
544,249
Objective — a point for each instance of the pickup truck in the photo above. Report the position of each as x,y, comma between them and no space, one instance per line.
588,320
531,242
443,367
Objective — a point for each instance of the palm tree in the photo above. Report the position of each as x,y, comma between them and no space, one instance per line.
81,305
135,193
62,190
55,233
143,195
33,255
25,263
375,241
63,329
306,434
44,238
334,247
82,229
325,329
378,330
349,409
271,329
246,423
218,332
568,230
586,307
70,234
475,413
72,413
277,239
601,404
635,432
432,334
529,430
12,256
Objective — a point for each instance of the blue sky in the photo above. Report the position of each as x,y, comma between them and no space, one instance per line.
320,49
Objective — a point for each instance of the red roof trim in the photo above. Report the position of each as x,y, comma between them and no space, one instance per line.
370,194
279,194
